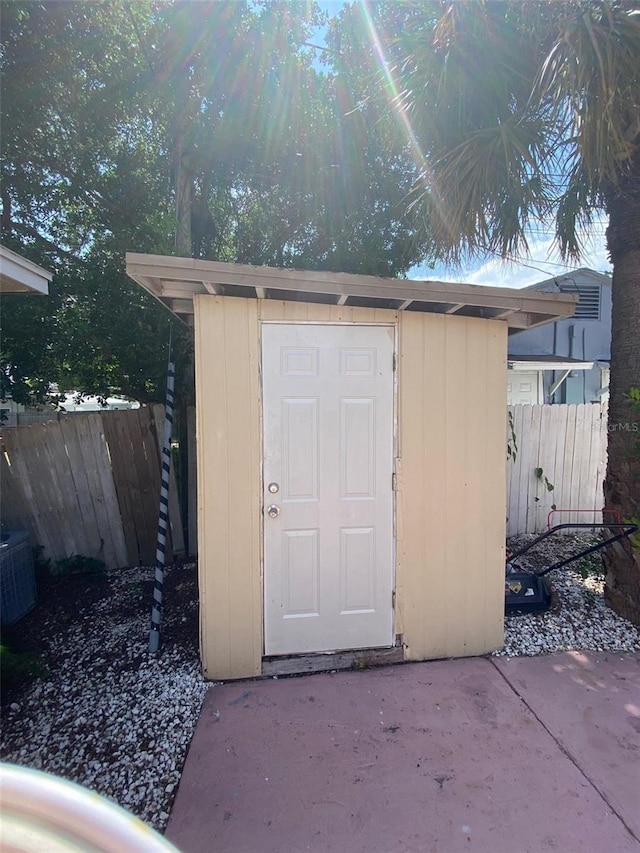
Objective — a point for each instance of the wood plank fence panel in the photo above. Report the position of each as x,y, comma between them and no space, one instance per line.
542,422
17,495
119,461
74,473
25,455
46,491
513,471
106,490
600,436
87,484
48,473
525,466
559,426
100,495
569,495
12,506
568,442
136,471
533,499
54,502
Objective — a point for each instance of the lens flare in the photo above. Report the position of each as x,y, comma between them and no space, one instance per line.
434,209
392,89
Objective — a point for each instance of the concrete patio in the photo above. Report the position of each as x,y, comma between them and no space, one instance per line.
477,754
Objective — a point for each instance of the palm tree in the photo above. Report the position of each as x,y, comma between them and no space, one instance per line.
518,113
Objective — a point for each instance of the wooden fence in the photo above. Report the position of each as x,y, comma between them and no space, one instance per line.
89,484
565,446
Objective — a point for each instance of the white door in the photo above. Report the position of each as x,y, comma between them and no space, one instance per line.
522,388
327,481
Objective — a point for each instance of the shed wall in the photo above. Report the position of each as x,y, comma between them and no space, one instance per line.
451,478
228,440
451,501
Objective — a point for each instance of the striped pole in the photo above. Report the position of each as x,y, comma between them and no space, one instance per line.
163,515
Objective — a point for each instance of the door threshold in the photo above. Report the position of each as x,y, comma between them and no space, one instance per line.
274,665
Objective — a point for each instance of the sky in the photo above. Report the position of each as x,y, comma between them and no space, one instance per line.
543,261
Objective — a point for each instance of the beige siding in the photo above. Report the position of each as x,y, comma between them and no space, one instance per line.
451,493
451,500
228,486
319,313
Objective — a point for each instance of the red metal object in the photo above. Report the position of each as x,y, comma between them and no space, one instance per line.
615,515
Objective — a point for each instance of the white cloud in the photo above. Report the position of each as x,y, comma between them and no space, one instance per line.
544,262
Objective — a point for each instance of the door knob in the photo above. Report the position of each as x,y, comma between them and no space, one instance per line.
273,511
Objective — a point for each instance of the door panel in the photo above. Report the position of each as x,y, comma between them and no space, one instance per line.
299,449
357,448
300,580
328,445
358,585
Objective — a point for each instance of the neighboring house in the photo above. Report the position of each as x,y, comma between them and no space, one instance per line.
13,414
9,412
566,361
76,403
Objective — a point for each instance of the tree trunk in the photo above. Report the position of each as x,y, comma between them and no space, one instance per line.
6,224
182,154
184,203
622,483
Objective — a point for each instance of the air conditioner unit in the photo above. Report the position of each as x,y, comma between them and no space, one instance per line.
18,593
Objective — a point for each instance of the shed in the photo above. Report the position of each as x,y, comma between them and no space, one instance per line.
351,461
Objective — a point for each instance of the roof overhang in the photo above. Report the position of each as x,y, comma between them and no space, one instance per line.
549,364
175,281
18,275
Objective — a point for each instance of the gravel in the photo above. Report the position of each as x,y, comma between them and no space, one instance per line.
579,620
118,721
110,716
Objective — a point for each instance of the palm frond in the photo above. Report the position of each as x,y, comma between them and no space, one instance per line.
591,75
488,187
574,215
516,111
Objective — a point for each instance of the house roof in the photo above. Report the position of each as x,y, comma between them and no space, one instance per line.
573,278
18,275
175,281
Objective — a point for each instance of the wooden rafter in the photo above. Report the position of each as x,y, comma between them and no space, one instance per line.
175,282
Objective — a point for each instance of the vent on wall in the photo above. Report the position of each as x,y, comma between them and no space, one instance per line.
588,307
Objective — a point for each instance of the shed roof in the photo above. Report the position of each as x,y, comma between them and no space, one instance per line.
174,282
18,275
